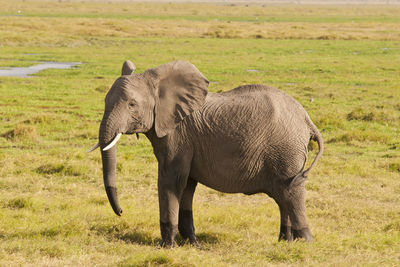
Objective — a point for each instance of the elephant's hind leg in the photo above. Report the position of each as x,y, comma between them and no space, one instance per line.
291,202
295,200
285,232
185,223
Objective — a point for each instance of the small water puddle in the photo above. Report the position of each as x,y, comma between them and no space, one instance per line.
27,71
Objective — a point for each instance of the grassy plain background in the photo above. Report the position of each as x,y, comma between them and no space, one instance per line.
340,62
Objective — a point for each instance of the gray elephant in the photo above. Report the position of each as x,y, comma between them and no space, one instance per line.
252,139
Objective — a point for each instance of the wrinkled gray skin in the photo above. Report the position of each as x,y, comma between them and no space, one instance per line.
252,139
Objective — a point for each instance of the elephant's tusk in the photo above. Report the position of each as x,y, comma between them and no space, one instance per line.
93,148
113,142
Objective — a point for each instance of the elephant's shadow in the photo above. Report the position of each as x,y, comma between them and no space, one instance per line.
136,236
125,233
208,238
143,236
204,239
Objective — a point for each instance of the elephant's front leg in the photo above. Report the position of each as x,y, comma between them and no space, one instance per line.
169,207
185,224
170,189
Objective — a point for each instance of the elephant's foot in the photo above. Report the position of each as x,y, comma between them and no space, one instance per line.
304,233
186,227
285,233
168,233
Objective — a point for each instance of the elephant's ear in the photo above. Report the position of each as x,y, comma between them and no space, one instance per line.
128,68
181,89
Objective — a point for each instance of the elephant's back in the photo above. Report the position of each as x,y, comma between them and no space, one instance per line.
254,103
246,133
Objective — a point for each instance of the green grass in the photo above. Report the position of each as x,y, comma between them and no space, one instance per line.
340,62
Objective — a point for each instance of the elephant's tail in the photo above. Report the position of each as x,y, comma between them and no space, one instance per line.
316,136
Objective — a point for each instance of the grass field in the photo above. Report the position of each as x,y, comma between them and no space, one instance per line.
340,62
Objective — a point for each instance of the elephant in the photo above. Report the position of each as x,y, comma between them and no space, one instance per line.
251,139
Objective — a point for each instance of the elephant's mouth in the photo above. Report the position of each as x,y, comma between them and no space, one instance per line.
140,128
135,128
133,132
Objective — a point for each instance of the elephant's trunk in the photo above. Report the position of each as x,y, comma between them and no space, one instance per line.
109,161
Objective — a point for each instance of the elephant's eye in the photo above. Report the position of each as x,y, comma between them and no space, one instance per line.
132,105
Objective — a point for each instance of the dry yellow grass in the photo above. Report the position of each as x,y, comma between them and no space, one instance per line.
77,24
200,11
80,31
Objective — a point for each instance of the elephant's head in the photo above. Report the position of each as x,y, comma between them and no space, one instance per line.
156,100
